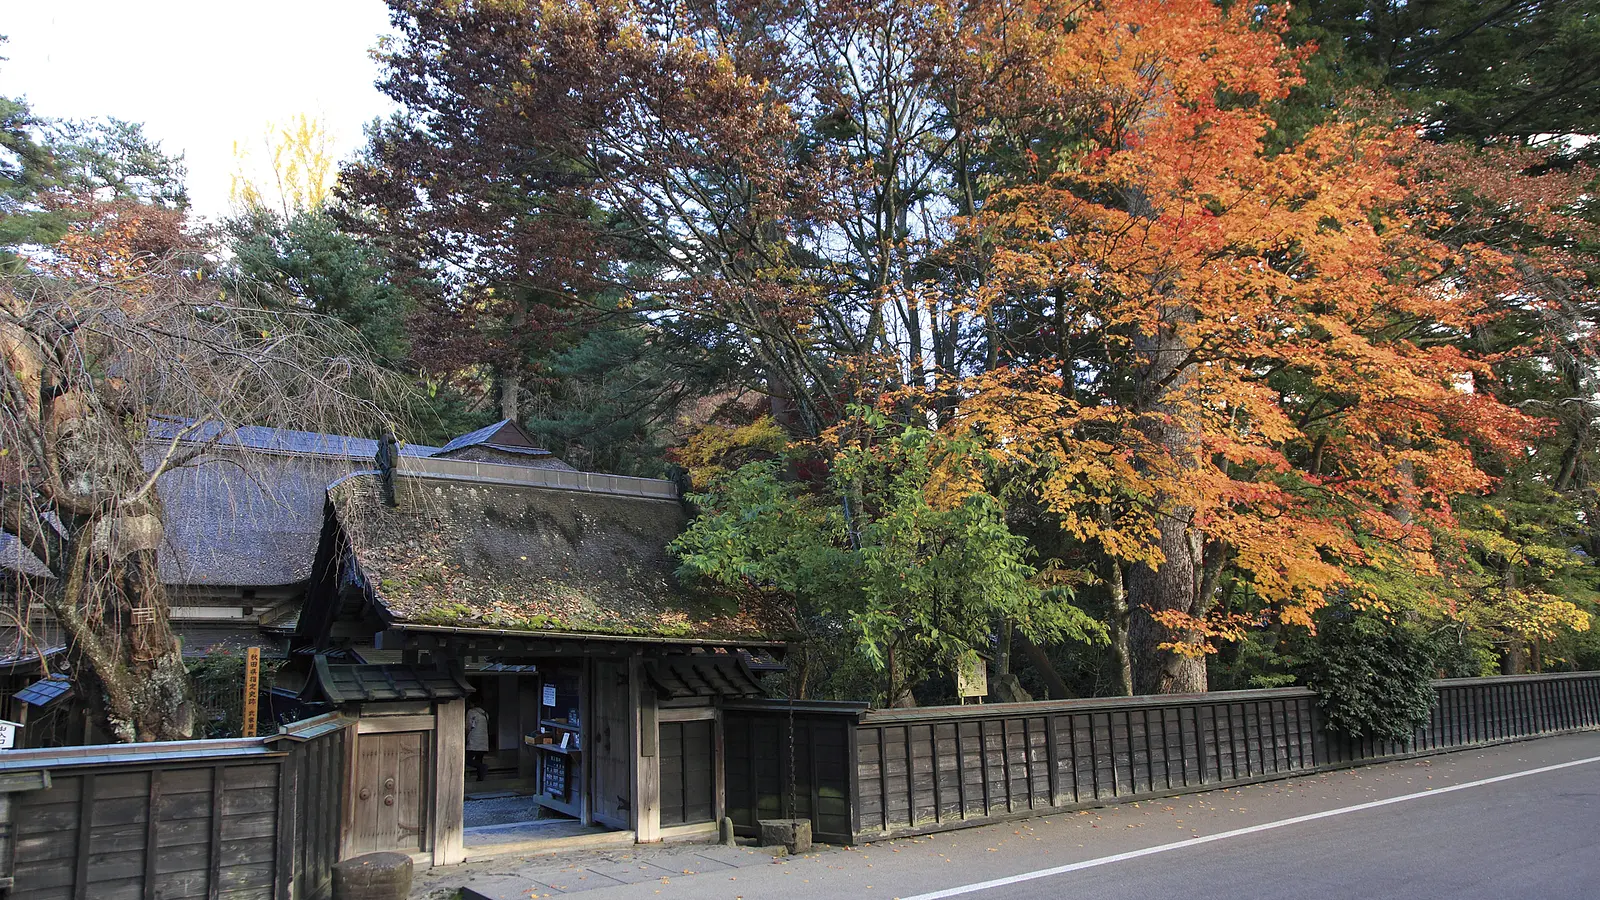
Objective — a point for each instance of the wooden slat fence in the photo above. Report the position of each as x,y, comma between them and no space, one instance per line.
914,771
238,819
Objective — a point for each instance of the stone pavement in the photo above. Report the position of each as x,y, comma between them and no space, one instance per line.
550,875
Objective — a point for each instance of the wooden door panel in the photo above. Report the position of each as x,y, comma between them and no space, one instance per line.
391,792
612,753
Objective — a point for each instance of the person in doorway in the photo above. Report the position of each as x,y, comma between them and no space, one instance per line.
478,740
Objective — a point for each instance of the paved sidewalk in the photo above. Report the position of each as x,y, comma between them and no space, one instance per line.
548,875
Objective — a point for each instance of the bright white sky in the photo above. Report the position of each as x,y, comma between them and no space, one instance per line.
200,74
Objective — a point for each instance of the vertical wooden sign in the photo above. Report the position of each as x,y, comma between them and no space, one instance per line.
252,689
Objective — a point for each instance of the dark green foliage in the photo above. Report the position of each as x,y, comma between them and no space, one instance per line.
27,169
219,693
307,257
111,159
608,402
1374,677
1475,69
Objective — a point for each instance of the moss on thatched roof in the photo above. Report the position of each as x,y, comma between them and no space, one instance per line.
477,554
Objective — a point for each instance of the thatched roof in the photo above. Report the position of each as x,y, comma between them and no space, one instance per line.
474,554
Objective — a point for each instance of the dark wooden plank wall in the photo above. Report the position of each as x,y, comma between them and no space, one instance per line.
1476,711
757,751
925,770
314,775
252,828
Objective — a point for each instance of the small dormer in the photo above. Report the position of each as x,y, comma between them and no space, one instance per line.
505,442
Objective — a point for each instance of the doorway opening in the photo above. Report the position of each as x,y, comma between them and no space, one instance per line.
558,744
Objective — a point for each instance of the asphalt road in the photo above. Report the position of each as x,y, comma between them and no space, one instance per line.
1526,834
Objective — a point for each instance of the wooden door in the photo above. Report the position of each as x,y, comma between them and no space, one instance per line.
389,808
611,753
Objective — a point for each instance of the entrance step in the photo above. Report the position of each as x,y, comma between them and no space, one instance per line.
546,835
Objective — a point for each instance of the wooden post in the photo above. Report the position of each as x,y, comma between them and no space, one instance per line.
252,690
449,781
352,787
646,756
719,771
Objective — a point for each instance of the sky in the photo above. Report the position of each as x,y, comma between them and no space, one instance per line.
200,74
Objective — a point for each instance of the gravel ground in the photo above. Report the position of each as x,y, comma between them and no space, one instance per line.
502,811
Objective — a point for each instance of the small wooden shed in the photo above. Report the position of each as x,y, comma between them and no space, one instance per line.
551,597
402,758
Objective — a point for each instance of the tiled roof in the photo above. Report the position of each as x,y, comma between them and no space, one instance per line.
703,675
365,682
284,440
45,691
504,435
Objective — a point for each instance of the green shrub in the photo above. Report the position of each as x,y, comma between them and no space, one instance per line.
1374,676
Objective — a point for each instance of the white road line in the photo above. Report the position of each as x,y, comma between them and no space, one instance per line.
1237,832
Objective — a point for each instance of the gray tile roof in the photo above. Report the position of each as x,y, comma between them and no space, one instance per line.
284,440
504,435
231,525
472,438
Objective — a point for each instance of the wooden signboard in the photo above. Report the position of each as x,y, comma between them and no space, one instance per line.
252,690
972,676
555,776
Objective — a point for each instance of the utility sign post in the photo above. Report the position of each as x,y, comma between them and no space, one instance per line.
252,689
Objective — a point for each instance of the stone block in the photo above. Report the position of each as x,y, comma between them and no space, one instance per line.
373,876
793,835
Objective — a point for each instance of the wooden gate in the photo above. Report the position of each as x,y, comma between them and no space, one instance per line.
389,808
611,803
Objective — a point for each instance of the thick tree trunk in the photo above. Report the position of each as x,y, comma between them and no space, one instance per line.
127,663
1516,658
1175,585
108,596
81,500
1172,586
511,395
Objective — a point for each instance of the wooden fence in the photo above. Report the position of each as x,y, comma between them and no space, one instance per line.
240,819
864,775
759,754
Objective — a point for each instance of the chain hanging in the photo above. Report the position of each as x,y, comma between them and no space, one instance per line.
793,810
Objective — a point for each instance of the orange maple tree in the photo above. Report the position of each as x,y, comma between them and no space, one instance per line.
1256,364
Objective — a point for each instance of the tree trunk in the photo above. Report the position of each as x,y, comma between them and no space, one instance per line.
1176,584
1516,658
1172,586
109,598
1053,682
1120,652
511,395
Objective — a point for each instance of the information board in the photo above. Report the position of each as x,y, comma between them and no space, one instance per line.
555,775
